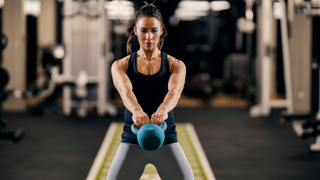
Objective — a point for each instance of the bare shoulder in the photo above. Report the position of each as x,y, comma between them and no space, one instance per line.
175,63
121,63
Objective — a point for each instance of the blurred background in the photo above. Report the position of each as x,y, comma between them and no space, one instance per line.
252,84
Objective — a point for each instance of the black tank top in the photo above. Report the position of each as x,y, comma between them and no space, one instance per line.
150,91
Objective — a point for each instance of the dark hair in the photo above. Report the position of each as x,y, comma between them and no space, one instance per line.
148,10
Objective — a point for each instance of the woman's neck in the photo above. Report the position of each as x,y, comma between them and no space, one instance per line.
149,55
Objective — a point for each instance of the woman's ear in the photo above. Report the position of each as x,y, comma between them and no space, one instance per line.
135,30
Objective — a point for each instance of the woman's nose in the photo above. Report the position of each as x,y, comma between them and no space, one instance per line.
149,35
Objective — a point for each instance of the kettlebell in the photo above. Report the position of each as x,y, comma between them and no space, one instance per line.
150,136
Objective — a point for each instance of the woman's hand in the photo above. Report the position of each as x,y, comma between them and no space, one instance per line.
140,118
159,116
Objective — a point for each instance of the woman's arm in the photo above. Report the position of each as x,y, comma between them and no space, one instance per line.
175,87
123,84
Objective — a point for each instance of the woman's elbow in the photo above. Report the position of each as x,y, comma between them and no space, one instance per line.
124,92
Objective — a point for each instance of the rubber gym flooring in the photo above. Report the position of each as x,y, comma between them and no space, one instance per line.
237,147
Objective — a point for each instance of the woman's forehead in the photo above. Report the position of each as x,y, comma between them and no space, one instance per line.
148,22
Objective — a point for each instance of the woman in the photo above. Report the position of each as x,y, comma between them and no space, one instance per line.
150,83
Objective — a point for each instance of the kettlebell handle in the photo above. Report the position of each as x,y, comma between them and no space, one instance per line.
135,129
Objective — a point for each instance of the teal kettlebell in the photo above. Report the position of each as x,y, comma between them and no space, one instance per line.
150,136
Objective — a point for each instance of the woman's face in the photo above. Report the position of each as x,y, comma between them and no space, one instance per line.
148,30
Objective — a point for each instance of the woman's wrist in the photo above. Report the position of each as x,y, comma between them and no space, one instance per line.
163,108
137,109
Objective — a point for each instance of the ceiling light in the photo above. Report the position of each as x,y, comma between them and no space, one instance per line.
195,5
32,7
220,5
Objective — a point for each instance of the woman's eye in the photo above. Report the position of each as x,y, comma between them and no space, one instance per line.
144,31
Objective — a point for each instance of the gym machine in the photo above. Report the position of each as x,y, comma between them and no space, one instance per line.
15,136
305,118
82,62
4,79
297,61
264,58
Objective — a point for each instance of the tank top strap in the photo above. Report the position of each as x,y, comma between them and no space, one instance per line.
132,60
164,58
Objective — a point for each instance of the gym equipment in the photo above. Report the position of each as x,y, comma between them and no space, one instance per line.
18,134
305,126
4,79
296,55
150,136
304,117
52,56
300,93
263,64
235,72
82,64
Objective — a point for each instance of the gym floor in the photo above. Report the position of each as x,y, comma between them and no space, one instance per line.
237,147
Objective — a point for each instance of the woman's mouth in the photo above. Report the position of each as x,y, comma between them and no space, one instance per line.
148,44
